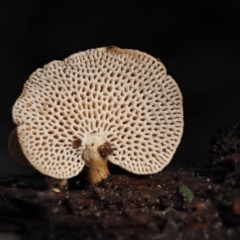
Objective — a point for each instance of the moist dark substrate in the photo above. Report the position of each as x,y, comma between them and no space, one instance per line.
126,206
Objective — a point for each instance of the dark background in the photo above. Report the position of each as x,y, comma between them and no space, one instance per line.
198,42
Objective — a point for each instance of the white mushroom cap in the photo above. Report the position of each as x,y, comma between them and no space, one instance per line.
124,95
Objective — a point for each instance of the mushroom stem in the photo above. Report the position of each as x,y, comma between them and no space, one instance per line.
98,171
95,154
56,184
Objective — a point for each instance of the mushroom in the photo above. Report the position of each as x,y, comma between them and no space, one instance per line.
100,105
56,184
15,149
16,152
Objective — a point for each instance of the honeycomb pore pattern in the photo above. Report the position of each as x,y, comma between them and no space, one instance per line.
124,94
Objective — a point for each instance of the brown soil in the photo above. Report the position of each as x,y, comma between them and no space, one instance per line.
126,206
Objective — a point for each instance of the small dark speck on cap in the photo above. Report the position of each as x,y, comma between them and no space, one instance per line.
76,143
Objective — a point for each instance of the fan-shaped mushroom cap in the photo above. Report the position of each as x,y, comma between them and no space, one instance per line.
124,95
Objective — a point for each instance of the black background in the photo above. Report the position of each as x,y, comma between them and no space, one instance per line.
196,40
